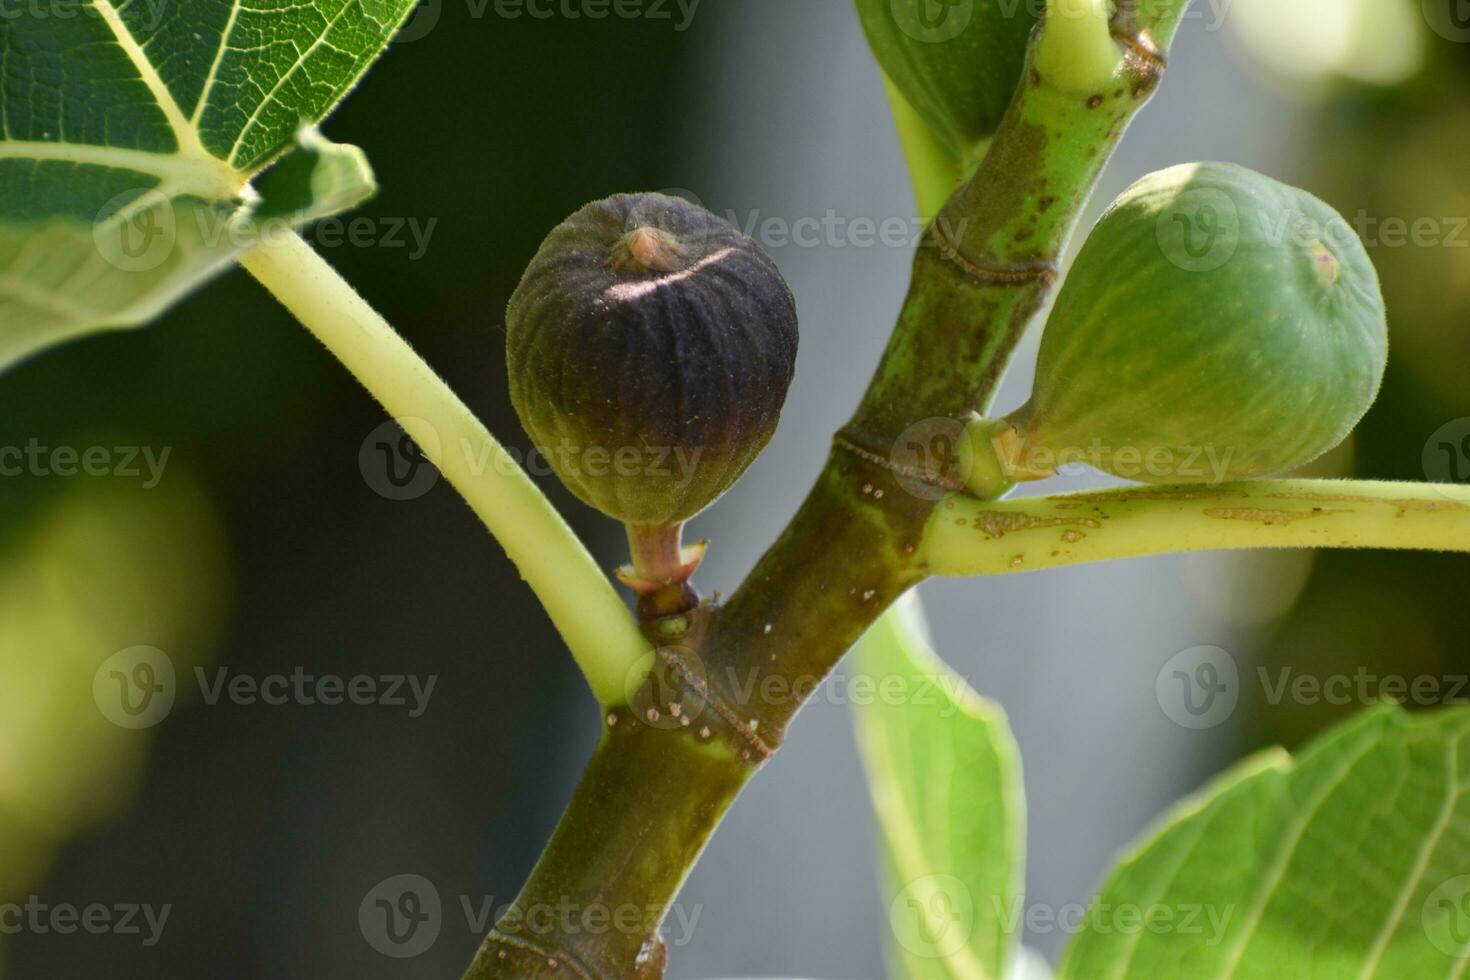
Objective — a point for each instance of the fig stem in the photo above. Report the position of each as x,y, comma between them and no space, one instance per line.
656,551
1077,52
968,536
988,477
661,570
585,608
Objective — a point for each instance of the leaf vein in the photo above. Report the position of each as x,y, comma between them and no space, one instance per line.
1284,855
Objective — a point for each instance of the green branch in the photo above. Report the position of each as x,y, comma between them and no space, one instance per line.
967,536
582,603
992,255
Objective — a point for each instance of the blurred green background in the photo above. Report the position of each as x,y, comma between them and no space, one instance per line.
265,547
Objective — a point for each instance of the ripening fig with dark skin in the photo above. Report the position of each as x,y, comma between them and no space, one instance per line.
650,347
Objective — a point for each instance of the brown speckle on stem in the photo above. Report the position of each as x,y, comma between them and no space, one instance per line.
1260,515
997,523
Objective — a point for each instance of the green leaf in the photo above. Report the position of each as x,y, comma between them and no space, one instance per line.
317,179
129,137
956,62
1351,861
945,776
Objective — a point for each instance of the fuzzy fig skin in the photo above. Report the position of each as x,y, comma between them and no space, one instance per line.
1217,325
650,346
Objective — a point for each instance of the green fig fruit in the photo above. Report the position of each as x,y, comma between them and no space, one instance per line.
1216,325
650,347
956,62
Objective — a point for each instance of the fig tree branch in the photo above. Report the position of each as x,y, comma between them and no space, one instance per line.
591,617
991,257
722,696
967,536
984,271
851,550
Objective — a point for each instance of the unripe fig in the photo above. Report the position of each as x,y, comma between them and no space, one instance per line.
1216,325
957,62
650,346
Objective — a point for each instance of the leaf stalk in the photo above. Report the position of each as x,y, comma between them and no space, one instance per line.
968,536
581,601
